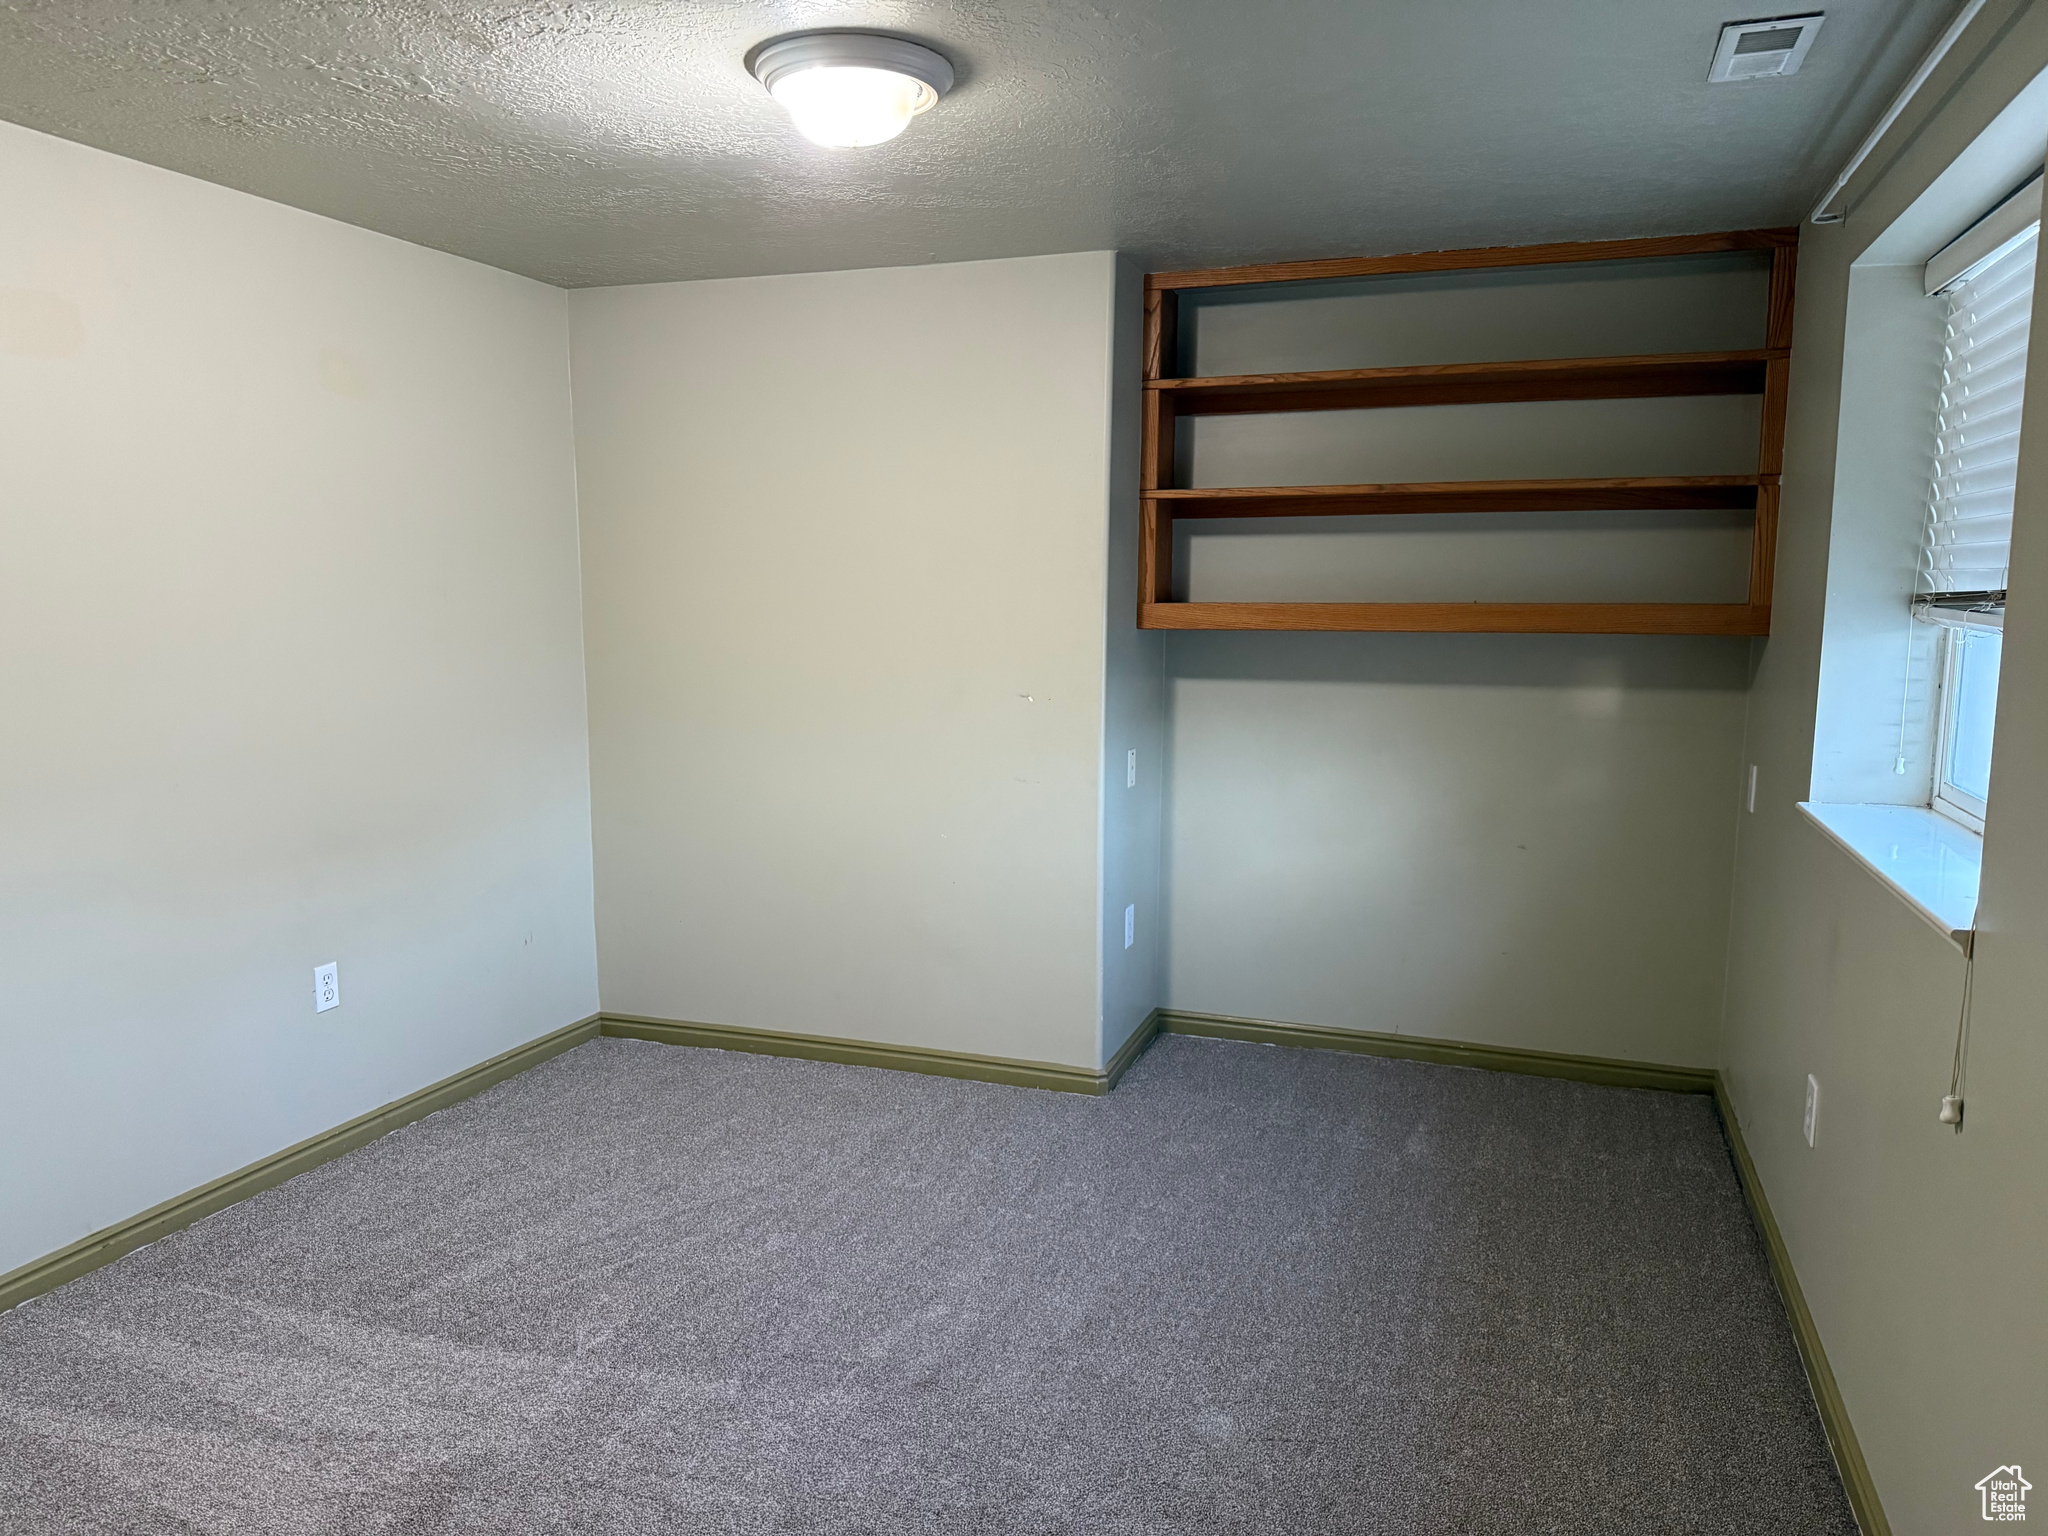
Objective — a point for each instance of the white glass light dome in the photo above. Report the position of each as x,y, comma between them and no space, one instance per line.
846,90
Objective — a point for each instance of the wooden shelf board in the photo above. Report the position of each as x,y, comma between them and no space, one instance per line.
1481,259
1659,493
1572,378
1467,618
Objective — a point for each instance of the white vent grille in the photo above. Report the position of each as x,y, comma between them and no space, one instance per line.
1758,50
1977,428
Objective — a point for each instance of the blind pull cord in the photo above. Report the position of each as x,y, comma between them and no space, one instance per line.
1952,1105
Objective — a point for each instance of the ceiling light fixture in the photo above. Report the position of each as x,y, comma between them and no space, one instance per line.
850,89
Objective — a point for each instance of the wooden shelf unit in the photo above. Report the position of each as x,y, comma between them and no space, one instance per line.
1761,371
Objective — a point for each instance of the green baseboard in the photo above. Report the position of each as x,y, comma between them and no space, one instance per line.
109,1243
871,1053
1827,1396
1606,1071
1141,1037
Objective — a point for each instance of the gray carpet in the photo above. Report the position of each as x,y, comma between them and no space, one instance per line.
650,1289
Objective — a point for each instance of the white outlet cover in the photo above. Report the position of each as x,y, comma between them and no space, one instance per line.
326,986
1131,770
1812,1105
1130,926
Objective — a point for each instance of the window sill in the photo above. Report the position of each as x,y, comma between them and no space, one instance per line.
1927,861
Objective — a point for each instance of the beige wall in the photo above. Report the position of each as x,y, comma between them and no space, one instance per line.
845,558
1921,1252
290,668
1518,840
1134,716
1522,843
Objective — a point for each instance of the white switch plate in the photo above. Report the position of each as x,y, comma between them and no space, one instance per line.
1131,770
1130,926
1749,796
326,986
1812,1105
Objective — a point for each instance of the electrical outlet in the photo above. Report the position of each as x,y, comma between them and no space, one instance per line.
1749,795
326,987
1130,926
1131,769
1812,1105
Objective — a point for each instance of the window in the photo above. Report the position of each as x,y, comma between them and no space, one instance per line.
1984,282
1969,702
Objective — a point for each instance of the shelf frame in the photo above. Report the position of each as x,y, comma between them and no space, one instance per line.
1467,618
1763,371
1569,378
1635,494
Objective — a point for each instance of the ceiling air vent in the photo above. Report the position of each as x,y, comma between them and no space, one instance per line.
1753,50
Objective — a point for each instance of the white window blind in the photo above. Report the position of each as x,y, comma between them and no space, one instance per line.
1986,314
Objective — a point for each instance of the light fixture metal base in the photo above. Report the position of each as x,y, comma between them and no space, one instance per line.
852,50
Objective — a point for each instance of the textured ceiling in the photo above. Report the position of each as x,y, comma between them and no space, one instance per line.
614,141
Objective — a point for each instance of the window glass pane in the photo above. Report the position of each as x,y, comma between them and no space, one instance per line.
1976,701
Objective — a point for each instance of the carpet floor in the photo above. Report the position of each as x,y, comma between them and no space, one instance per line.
650,1289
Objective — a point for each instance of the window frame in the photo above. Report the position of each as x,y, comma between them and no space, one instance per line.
1958,804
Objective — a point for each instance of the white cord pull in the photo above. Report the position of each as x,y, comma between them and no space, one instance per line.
1952,1104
